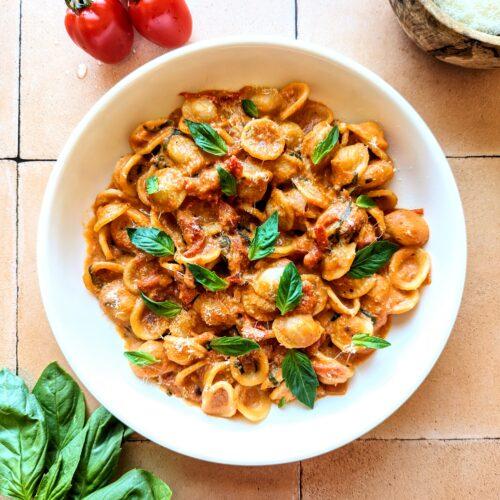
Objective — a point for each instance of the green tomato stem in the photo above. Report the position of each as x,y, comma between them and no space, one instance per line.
77,5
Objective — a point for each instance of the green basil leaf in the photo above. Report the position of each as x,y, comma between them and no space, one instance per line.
152,241
100,453
289,289
56,483
167,308
282,402
23,438
227,182
64,406
233,346
136,484
207,138
264,239
152,185
364,201
366,340
250,108
300,377
140,358
325,146
371,258
207,278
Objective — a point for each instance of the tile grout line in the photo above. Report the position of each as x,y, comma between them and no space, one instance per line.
26,160
300,480
464,157
17,183
476,438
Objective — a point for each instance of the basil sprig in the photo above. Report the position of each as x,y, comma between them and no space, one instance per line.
151,240
207,138
250,108
64,406
364,201
152,185
300,377
325,146
264,239
207,278
23,440
371,258
140,358
100,453
227,181
136,483
289,289
233,346
47,451
167,308
366,340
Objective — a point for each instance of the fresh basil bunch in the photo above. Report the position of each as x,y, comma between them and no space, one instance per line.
48,452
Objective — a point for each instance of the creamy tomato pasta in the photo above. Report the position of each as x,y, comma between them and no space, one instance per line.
248,250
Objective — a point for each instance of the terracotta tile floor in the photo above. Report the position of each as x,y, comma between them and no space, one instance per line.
445,441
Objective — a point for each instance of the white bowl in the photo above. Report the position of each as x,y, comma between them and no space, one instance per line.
88,339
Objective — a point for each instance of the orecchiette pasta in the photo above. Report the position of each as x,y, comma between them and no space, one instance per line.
409,268
253,403
220,248
263,139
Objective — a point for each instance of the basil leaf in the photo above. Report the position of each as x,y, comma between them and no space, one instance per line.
289,289
366,340
325,146
300,377
227,181
64,406
100,453
207,138
56,483
135,484
167,308
23,438
152,241
371,258
233,346
250,108
282,402
264,239
207,278
152,185
364,201
140,358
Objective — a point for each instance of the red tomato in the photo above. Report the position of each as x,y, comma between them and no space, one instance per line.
165,22
100,27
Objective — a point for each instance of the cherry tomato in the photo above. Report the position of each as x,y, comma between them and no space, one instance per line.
165,22
100,27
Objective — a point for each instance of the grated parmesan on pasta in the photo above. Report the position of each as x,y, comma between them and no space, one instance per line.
481,15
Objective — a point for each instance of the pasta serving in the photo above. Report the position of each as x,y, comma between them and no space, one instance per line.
248,251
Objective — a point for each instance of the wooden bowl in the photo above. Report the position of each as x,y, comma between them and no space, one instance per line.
445,38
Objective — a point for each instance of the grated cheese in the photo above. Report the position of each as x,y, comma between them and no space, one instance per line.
481,15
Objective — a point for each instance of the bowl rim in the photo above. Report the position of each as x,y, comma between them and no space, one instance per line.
457,26
318,447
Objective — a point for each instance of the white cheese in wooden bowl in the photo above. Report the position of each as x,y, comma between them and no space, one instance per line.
481,15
